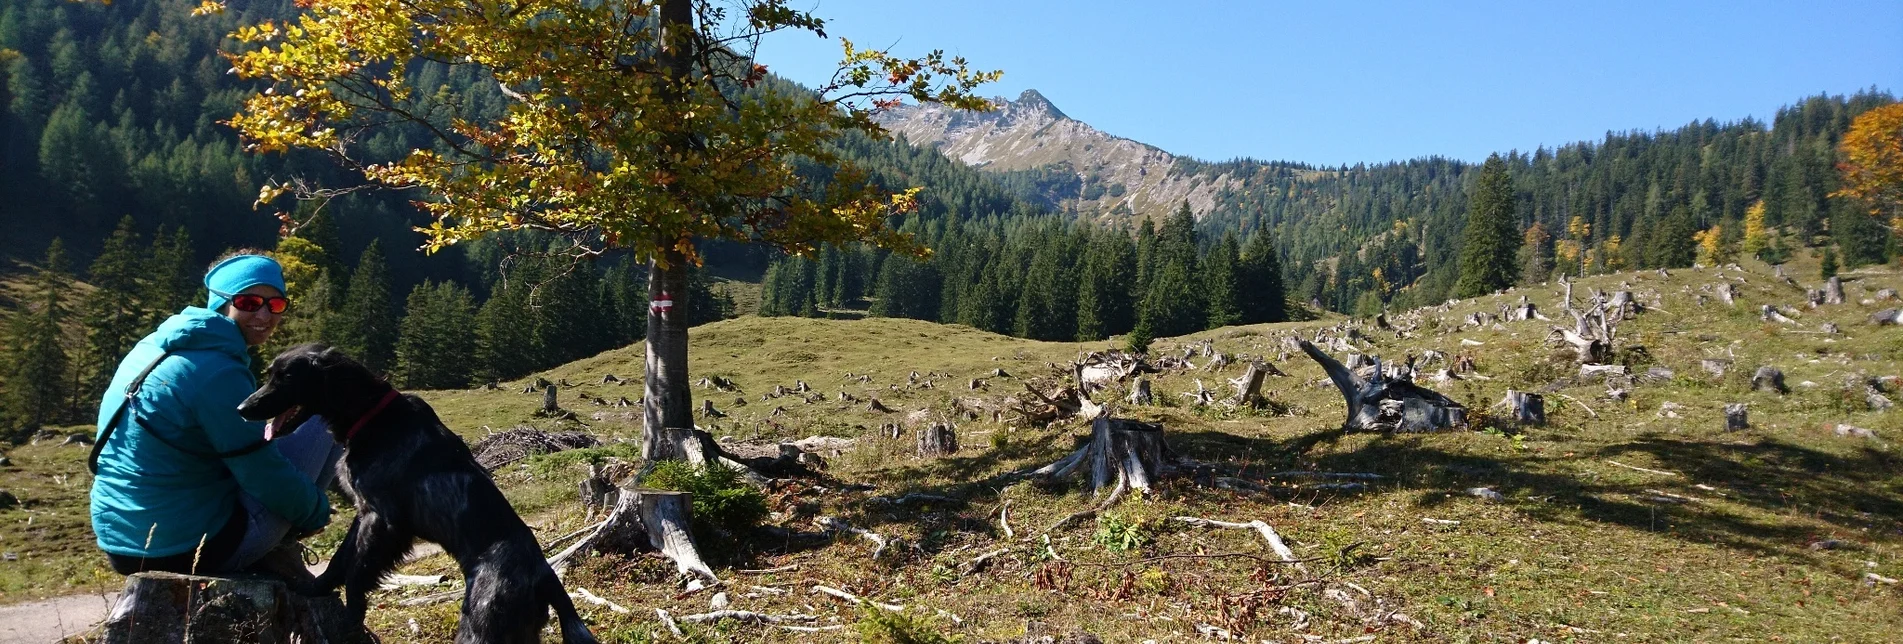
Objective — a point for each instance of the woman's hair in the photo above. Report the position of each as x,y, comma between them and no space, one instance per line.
247,250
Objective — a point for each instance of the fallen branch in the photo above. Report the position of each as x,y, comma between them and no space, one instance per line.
584,595
1268,533
1641,469
836,525
551,542
393,582
1004,520
745,616
981,560
668,620
767,571
435,598
1581,404
855,599
1361,476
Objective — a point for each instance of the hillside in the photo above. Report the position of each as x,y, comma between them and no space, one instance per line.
1102,172
1615,521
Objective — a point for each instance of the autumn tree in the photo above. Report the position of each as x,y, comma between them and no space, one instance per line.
1756,237
644,126
1872,163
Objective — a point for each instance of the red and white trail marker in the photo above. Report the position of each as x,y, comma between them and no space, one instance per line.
663,305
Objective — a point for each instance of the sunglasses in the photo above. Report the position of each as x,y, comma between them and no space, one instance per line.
250,303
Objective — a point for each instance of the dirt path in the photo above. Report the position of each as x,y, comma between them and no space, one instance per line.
44,622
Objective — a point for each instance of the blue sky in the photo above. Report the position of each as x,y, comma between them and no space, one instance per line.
1337,82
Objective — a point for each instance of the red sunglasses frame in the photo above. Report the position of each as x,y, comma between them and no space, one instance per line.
250,303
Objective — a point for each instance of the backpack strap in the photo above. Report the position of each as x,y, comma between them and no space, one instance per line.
132,390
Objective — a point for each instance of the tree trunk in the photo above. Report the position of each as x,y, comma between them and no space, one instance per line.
160,607
937,439
1735,417
668,401
666,515
1528,408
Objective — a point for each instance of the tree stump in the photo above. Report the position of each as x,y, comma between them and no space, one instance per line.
1140,393
648,521
1771,314
1249,386
1527,408
1380,404
937,439
878,407
1122,454
1834,290
1729,293
707,409
1735,417
1769,377
1715,367
596,491
161,607
548,401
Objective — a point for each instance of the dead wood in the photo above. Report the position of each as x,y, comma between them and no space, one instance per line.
1769,377
1834,290
1140,393
937,439
1526,408
1735,417
1771,314
1260,527
1249,386
1382,404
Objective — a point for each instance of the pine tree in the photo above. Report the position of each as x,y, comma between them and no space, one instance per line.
1263,297
113,317
1862,240
1221,284
505,330
1146,248
908,289
366,329
1827,268
1047,302
433,348
1105,301
38,391
1172,302
1675,241
1490,244
172,282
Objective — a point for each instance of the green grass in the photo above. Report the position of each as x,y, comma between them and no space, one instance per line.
1579,549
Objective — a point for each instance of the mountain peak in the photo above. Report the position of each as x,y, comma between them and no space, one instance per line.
1031,99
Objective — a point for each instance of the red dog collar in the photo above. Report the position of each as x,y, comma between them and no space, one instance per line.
365,418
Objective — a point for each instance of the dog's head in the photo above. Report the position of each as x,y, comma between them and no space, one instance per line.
314,377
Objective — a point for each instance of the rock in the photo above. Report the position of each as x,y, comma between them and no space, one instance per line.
160,607
1486,494
1769,377
1669,409
719,602
8,500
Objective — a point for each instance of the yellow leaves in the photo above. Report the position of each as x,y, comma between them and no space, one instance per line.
1872,167
1756,237
268,193
209,8
1708,243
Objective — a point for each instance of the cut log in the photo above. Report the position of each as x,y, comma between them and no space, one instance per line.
1769,377
1380,404
1735,417
159,607
1249,386
1140,395
937,439
1527,408
1834,290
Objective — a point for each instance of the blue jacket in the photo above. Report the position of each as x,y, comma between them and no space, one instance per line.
152,500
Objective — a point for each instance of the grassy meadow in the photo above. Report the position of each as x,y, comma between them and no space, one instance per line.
1617,521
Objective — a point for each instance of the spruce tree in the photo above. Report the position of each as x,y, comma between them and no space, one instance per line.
1491,242
1674,241
1172,303
38,391
1105,301
907,289
113,316
1827,268
1047,301
433,349
505,330
172,279
1263,297
1220,283
366,329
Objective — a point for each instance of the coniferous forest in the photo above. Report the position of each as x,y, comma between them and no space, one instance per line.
116,171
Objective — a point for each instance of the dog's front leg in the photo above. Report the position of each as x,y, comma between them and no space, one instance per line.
380,547
340,562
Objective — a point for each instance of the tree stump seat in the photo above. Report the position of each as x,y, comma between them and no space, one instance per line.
168,608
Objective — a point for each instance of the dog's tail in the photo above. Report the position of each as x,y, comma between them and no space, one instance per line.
574,630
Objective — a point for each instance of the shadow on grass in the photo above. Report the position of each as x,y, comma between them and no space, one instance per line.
1759,488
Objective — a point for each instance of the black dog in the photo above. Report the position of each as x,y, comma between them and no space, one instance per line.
411,478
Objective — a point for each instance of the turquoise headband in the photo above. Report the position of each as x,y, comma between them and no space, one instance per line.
239,273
